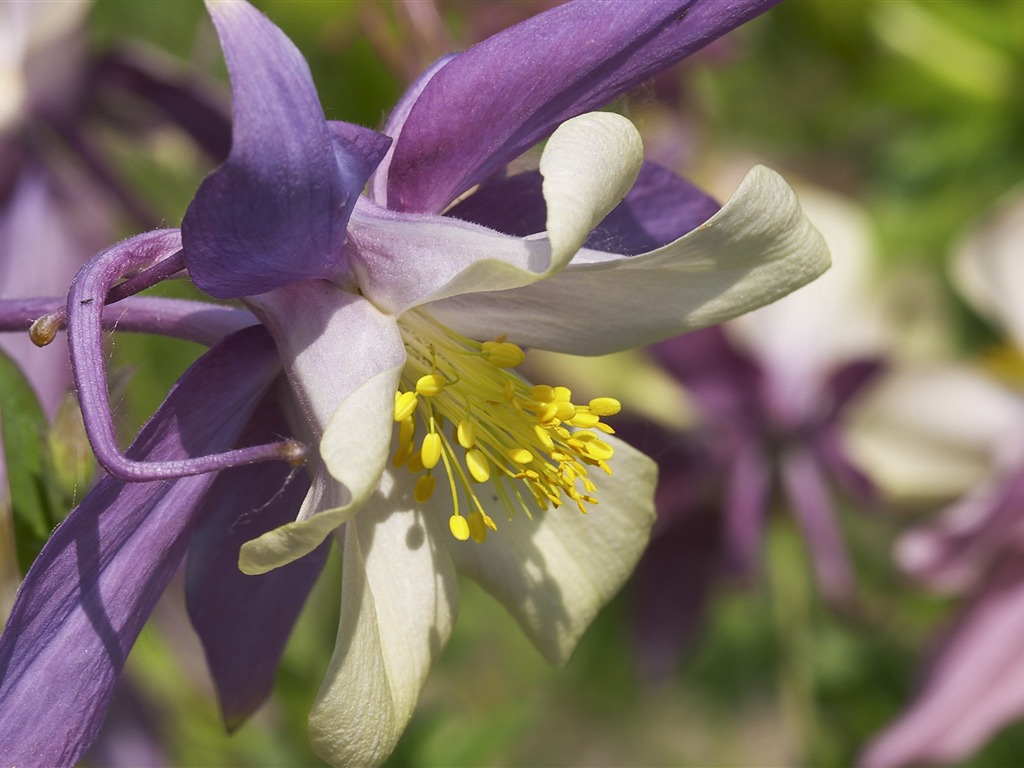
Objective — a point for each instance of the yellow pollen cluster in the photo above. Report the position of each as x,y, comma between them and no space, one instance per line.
483,423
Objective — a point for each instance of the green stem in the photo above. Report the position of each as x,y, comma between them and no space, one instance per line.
791,599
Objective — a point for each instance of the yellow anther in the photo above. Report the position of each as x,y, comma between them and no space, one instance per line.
405,404
416,463
564,410
431,385
563,394
604,428
477,528
402,454
466,433
406,431
424,488
520,455
542,393
459,527
544,437
503,354
585,420
430,451
548,413
478,465
605,406
599,449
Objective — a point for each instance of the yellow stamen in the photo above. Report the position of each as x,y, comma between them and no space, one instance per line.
430,385
488,426
466,433
424,488
459,527
405,404
503,354
520,456
478,466
430,452
605,406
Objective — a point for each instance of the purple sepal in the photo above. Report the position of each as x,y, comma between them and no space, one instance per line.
244,621
486,106
974,682
850,380
746,509
90,590
810,502
956,553
660,208
673,581
276,211
726,383
828,444
685,556
513,205
359,150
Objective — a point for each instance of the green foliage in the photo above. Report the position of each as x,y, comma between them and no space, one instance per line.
45,468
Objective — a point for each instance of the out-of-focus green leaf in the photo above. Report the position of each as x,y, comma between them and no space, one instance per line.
23,426
70,456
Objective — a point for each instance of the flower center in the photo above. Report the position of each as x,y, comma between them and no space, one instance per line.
482,423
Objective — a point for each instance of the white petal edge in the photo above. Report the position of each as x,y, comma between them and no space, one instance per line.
588,165
756,249
834,318
343,359
398,605
554,573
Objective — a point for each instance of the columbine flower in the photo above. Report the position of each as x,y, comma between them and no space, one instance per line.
398,318
770,390
957,428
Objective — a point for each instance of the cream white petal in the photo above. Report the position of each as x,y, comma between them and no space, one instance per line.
588,165
401,261
756,249
554,573
934,432
398,604
989,268
343,358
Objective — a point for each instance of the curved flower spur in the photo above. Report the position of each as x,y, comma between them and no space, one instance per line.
398,318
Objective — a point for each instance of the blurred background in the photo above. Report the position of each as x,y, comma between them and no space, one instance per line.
792,636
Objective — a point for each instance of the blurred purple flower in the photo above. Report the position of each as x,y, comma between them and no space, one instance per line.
58,208
770,391
973,682
342,283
